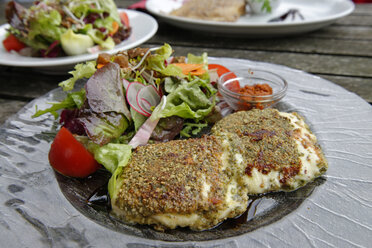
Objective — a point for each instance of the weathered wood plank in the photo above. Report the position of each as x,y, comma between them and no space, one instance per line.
9,108
356,20
313,63
38,84
15,83
365,9
339,32
308,43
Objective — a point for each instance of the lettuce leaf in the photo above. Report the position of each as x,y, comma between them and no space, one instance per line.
203,59
81,8
170,84
47,25
192,129
172,70
157,60
109,6
102,128
36,44
138,119
84,70
190,100
73,100
104,23
114,157
75,44
105,117
101,39
105,91
193,59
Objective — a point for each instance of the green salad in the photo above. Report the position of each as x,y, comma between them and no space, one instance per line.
53,28
129,99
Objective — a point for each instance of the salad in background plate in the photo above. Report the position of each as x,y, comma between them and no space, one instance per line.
55,28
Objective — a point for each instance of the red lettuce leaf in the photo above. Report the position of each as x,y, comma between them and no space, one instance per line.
14,14
104,91
102,128
167,129
69,119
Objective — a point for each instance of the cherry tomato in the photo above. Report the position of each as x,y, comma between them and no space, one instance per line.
69,157
12,43
124,19
234,85
220,69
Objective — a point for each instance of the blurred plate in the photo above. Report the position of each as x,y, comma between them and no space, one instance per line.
143,28
316,13
42,210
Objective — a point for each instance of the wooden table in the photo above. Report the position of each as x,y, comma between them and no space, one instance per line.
341,53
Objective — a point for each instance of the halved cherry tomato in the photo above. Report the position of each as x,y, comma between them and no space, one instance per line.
234,85
69,157
220,69
12,43
124,19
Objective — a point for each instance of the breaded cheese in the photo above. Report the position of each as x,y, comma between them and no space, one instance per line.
199,183
277,150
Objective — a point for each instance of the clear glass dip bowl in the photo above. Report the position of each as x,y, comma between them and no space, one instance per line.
227,87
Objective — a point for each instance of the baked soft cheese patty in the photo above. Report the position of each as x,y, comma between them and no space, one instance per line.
198,183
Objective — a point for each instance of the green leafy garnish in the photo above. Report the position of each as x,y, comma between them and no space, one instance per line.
192,129
73,100
85,70
190,100
114,157
46,24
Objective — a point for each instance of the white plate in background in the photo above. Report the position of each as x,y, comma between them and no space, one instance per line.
316,13
143,27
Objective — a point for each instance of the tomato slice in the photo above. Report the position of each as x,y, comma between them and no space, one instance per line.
12,43
69,157
234,85
124,19
220,69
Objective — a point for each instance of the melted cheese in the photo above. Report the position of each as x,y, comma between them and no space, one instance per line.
230,201
309,157
260,183
233,202
205,188
238,158
225,154
172,220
